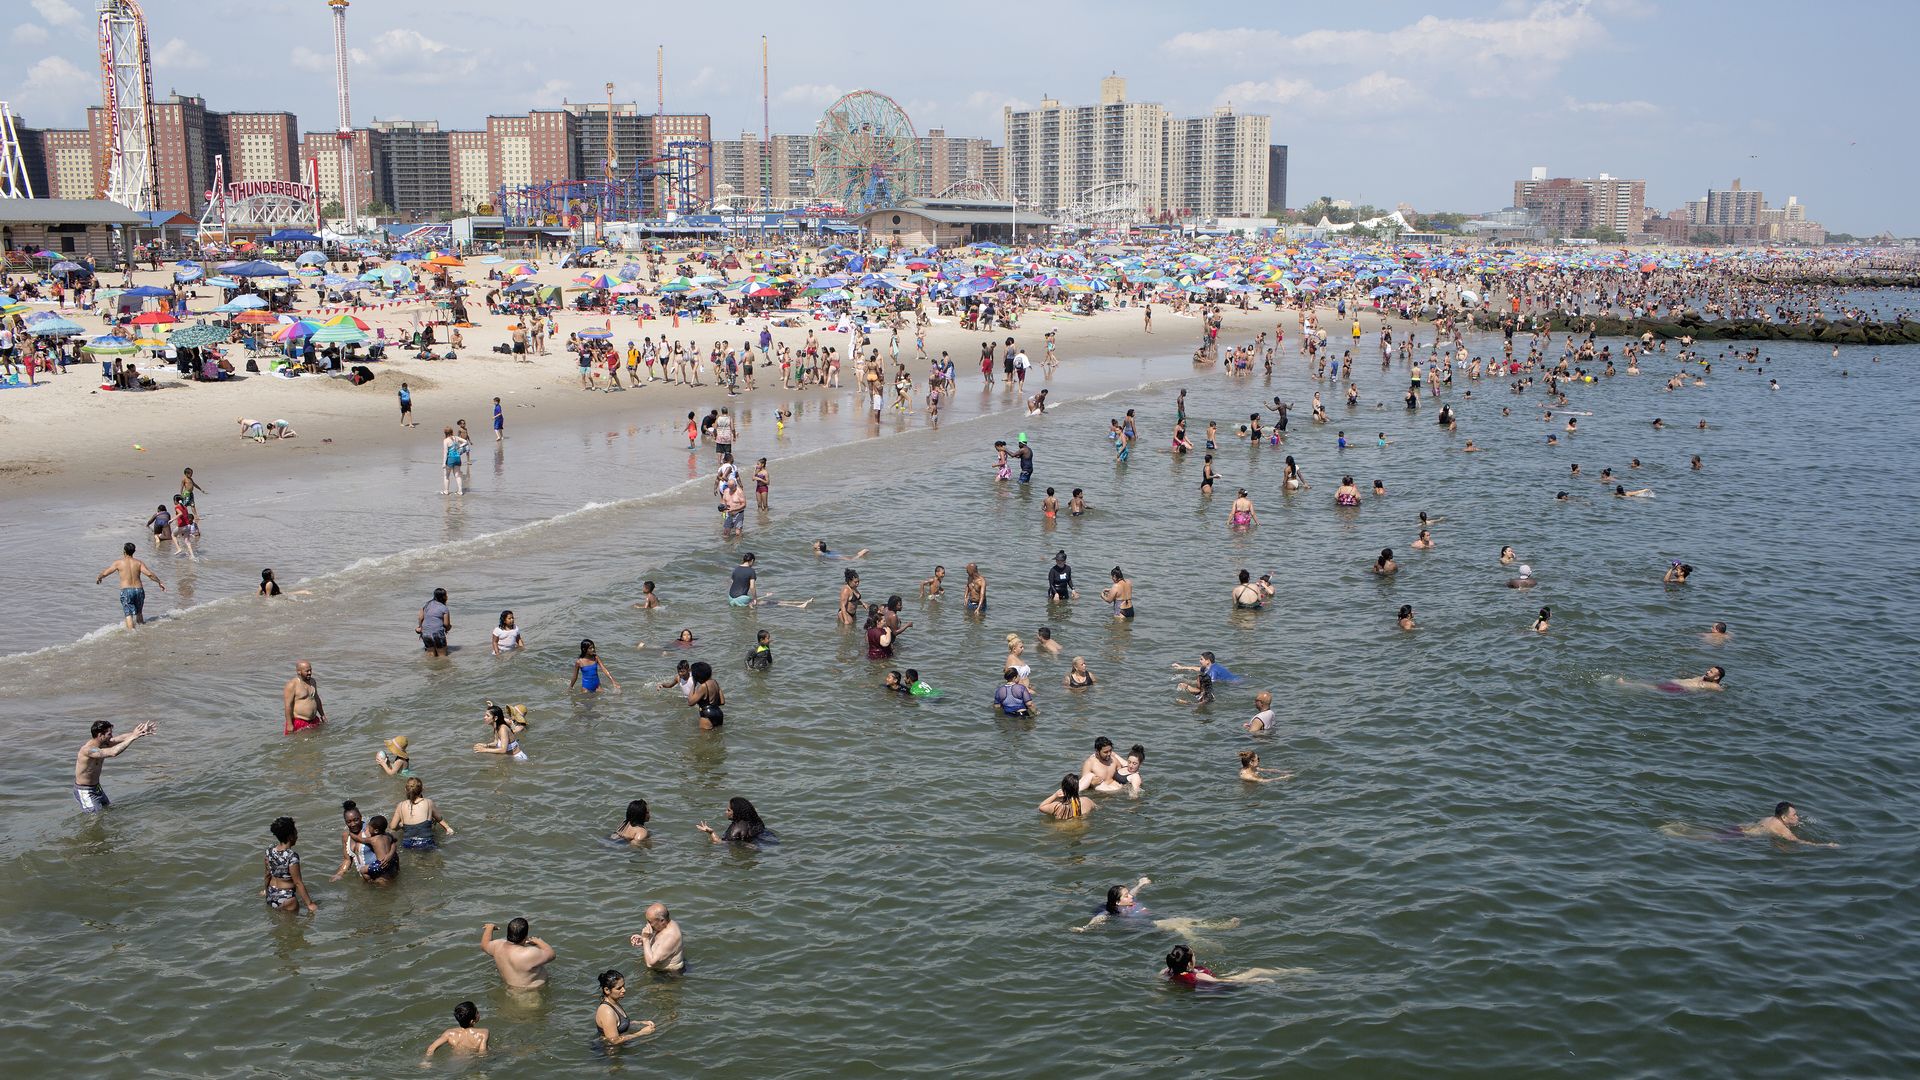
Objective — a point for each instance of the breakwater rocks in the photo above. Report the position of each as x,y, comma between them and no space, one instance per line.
1840,332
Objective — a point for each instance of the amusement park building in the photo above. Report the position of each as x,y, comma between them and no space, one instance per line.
952,222
93,229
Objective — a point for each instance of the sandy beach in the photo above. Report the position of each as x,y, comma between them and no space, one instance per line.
70,432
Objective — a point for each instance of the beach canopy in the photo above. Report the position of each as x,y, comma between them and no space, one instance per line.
343,334
253,269
291,236
110,345
197,336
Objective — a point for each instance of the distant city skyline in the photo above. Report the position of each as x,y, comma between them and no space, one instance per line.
1438,106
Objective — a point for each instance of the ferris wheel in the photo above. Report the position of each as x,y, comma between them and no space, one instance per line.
865,153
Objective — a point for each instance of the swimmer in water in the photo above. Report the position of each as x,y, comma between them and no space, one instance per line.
1405,617
1121,902
1183,970
648,598
1620,492
1506,555
1544,622
931,588
464,1038
1716,634
1678,573
1246,595
1261,721
1526,579
506,725
1780,826
634,829
1384,565
1067,804
588,670
1242,516
820,548
1424,541
1711,680
1251,770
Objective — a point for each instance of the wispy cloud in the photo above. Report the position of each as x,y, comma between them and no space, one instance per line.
176,53
1374,92
1635,107
820,94
58,12
56,85
28,33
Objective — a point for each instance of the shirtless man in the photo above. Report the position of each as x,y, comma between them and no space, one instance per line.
660,943
133,595
522,960
1097,773
1780,826
93,755
976,591
300,701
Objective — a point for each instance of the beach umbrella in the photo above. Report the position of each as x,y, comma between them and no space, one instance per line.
342,335
223,282
294,331
255,318
1380,291
311,258
53,326
595,281
153,318
110,345
189,274
1469,296
763,291
43,253
63,268
344,319
596,334
406,256
445,260
197,336
242,303
492,260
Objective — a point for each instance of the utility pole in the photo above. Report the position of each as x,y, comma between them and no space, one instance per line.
608,168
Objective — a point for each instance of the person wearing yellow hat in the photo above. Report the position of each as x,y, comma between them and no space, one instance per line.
394,760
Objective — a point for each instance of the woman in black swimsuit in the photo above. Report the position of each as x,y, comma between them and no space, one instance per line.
616,1027
706,696
1078,677
850,598
1207,476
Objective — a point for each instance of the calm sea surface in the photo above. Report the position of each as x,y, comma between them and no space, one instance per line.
1487,861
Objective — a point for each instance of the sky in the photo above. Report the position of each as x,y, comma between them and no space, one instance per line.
1438,105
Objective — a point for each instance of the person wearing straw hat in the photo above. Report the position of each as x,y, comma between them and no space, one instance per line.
394,760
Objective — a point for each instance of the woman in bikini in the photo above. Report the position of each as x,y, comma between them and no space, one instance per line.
283,883
1067,804
850,598
706,696
612,1021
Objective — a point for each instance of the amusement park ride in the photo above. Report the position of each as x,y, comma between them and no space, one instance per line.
865,152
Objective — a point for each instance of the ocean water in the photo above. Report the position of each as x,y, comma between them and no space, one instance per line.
1489,858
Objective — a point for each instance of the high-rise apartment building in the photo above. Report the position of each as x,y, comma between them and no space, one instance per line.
945,160
471,184
258,146
1056,154
1276,179
414,172
1216,166
1734,206
73,170
1568,206
367,148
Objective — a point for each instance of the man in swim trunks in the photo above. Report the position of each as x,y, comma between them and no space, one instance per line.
300,701
743,590
976,590
1025,454
1780,826
133,595
94,753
